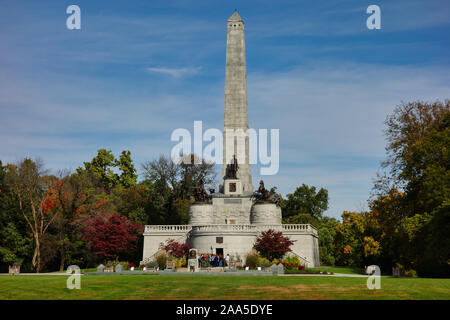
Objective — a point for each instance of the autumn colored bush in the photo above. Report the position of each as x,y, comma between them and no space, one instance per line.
177,249
161,260
263,263
109,236
272,244
292,263
252,259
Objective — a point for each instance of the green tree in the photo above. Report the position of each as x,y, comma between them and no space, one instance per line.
107,172
434,260
101,169
418,164
305,200
418,136
327,233
128,176
16,246
302,218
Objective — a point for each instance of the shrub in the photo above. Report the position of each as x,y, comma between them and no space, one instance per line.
291,261
251,259
124,265
113,264
161,260
272,244
151,264
263,263
410,273
275,261
177,249
179,263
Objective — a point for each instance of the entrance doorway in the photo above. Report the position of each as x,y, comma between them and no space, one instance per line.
219,251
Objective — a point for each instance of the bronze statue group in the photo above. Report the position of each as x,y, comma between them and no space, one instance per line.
262,195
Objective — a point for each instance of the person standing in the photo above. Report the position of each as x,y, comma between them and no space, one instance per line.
227,261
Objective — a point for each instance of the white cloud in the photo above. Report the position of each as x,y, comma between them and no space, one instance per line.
175,72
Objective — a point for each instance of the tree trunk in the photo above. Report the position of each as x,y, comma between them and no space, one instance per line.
61,251
37,254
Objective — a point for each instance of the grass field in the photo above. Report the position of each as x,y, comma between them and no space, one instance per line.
219,287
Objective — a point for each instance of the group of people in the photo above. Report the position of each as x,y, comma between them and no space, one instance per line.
214,260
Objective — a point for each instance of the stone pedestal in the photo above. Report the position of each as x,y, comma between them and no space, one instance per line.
200,214
232,187
265,214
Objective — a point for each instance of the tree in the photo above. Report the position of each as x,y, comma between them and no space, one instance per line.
181,177
301,218
175,183
418,135
272,244
14,247
305,200
69,201
349,239
15,244
128,177
414,189
434,260
103,169
29,184
177,249
110,236
327,233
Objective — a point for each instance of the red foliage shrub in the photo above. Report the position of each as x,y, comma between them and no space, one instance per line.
178,250
111,235
272,244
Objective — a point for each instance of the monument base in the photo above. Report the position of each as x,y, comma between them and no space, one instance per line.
234,239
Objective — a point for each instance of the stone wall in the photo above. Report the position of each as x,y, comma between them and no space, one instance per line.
155,235
265,213
234,210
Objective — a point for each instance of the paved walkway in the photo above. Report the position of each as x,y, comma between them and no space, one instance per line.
37,274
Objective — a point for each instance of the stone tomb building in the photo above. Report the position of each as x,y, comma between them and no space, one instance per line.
230,223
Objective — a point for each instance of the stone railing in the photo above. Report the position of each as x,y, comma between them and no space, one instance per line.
167,228
227,227
296,227
253,227
224,227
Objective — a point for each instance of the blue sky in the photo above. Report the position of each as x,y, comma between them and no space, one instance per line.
139,69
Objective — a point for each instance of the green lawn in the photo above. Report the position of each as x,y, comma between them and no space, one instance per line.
219,287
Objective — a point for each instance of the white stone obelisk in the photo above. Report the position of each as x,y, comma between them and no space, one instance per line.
235,137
